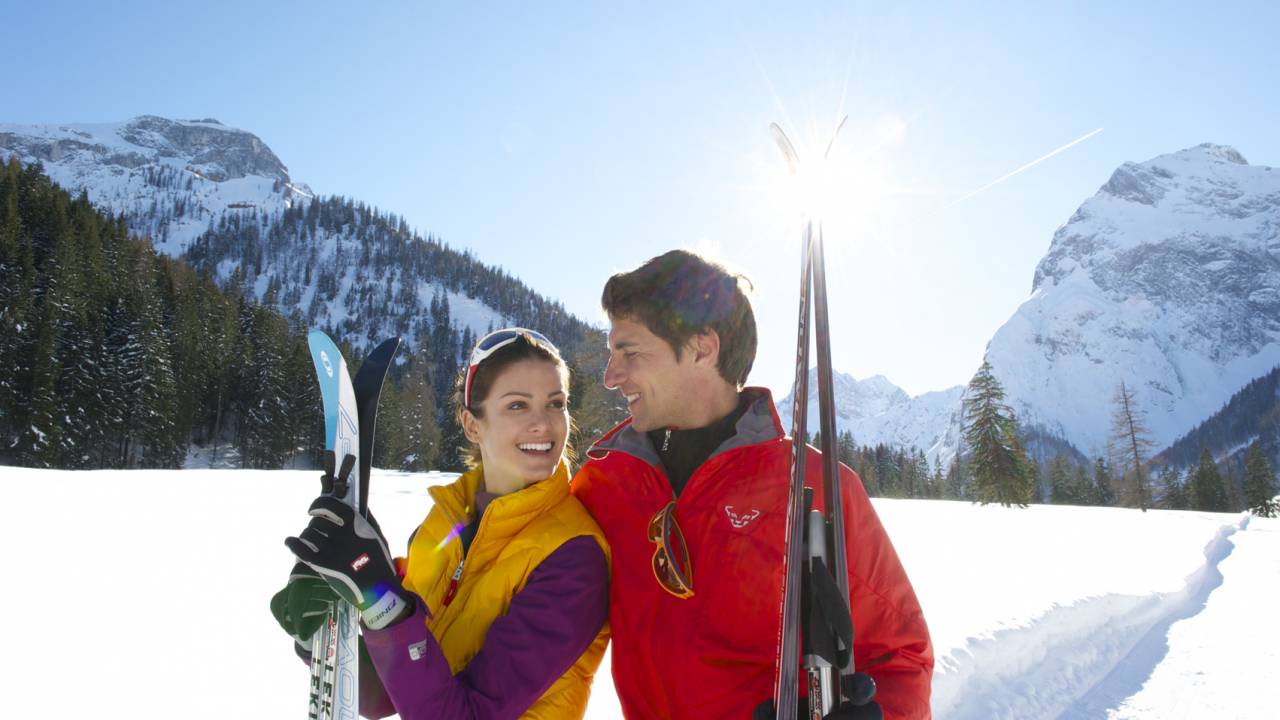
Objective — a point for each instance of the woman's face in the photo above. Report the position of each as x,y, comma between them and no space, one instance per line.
524,426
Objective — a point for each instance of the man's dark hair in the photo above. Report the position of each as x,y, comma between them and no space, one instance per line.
680,294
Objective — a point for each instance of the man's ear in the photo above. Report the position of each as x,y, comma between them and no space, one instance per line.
706,348
470,426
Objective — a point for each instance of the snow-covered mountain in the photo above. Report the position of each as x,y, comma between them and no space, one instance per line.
876,411
1167,279
221,199
171,178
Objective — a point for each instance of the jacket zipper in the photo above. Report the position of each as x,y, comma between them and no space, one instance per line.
456,579
453,584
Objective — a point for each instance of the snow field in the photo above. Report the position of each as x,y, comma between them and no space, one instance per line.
149,590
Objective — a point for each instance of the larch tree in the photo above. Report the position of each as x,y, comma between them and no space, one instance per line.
1129,446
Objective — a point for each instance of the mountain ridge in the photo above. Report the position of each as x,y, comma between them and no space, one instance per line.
1167,278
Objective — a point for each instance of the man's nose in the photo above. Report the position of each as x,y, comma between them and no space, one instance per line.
612,375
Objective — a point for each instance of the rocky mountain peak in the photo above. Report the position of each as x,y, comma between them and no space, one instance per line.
205,147
1168,279
211,149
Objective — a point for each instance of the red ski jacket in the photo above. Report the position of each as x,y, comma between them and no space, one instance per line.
713,655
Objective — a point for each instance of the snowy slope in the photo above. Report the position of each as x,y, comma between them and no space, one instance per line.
877,411
149,589
142,166
1167,279
177,180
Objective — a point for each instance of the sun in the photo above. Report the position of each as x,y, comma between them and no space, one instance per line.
845,184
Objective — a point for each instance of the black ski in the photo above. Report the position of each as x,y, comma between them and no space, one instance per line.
815,619
368,388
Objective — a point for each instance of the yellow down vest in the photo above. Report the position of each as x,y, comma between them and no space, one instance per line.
517,532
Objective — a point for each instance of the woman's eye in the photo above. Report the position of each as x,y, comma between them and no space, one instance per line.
517,405
557,404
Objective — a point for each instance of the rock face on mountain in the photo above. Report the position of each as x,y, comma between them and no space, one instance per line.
206,146
1167,279
172,179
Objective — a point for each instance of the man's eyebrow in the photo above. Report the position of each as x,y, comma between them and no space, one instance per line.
624,344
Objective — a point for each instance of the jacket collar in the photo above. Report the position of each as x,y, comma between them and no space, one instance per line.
509,513
758,424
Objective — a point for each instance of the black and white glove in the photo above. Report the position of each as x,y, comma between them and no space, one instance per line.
302,605
350,553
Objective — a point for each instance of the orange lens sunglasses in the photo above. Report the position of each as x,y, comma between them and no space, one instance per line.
671,566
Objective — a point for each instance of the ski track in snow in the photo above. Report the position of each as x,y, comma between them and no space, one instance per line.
1078,661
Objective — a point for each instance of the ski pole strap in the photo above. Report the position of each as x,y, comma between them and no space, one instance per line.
336,483
830,625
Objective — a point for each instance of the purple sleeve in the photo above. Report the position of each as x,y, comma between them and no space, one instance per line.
548,625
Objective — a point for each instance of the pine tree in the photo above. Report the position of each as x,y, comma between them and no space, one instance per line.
17,274
1174,494
266,433
1101,491
956,486
1129,445
1061,482
415,444
846,448
937,483
1206,489
1233,483
1259,483
1001,470
1083,489
161,446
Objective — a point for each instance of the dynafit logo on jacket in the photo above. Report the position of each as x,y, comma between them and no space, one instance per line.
360,562
740,520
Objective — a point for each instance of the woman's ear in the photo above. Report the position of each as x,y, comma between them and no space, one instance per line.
470,426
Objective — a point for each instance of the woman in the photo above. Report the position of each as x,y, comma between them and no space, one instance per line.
500,611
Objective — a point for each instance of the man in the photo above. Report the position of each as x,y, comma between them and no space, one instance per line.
691,492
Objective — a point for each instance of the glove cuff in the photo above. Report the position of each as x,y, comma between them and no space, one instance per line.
385,611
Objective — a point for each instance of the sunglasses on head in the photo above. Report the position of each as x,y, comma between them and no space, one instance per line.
492,343
671,565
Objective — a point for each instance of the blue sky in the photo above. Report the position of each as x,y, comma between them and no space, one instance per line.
569,141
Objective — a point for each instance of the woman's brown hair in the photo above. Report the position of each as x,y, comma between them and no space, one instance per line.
525,347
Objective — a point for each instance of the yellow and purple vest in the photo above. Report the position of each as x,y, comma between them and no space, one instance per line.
518,531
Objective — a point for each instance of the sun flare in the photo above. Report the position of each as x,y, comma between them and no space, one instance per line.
845,184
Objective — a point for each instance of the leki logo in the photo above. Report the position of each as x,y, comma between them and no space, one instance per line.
741,520
360,562
328,366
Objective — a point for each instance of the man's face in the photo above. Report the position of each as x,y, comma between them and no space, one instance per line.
644,368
